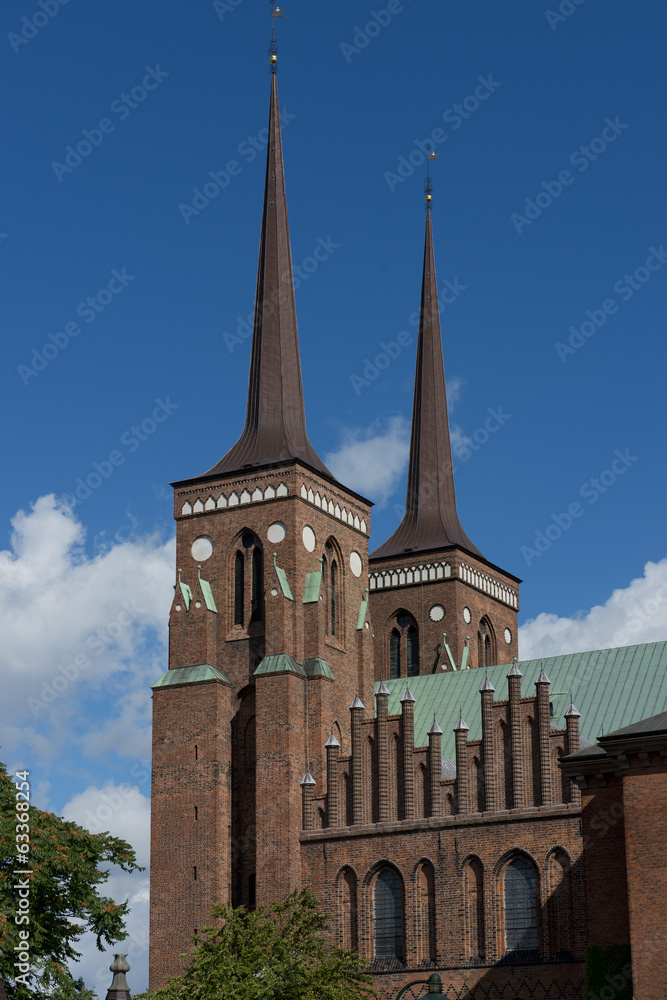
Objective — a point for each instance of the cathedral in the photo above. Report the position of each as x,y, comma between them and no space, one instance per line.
359,722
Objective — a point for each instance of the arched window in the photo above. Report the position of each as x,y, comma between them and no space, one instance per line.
559,906
473,888
239,588
395,654
388,915
348,892
257,612
426,913
413,651
334,597
486,644
520,907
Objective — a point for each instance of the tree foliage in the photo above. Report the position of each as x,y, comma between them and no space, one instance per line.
276,953
61,868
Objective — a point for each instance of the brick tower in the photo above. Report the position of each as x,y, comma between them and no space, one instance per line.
269,641
437,602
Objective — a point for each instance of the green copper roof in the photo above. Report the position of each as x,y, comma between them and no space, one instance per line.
185,591
279,663
191,675
317,667
610,687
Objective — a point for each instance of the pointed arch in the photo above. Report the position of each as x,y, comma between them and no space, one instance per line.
473,900
332,579
425,925
559,905
388,914
347,908
486,643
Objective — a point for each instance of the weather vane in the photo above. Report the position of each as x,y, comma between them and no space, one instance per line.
277,12
428,183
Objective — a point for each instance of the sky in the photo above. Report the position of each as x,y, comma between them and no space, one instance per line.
133,168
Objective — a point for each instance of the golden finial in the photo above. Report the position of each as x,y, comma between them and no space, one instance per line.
273,58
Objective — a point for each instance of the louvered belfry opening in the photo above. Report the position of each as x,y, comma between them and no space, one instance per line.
239,588
413,652
257,611
395,654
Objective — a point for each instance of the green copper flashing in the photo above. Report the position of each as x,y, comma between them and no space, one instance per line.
445,646
466,654
363,607
279,663
185,591
282,580
207,592
315,666
191,675
311,591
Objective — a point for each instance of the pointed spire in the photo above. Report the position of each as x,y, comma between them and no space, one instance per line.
332,742
542,679
408,696
275,426
514,670
573,712
430,520
487,685
307,779
435,729
461,726
357,703
382,689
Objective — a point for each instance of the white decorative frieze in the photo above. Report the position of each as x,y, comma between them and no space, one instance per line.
409,574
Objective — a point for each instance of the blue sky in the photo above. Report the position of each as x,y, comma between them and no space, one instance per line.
549,214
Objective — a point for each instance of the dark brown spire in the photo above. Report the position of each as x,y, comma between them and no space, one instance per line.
275,425
430,520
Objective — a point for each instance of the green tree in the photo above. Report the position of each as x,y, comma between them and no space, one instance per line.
50,872
276,953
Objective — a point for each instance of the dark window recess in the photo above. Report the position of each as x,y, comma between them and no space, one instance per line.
196,813
395,654
551,710
388,915
239,588
195,873
520,907
413,652
257,612
334,609
196,751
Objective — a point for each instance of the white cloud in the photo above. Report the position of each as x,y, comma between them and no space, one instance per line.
635,614
454,391
76,626
373,459
124,811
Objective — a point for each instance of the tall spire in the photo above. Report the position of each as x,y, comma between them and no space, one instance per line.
275,425
430,520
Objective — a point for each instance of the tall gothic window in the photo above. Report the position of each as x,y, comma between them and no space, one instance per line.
487,652
239,588
520,907
388,915
426,914
395,654
334,597
257,585
474,911
413,651
348,891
